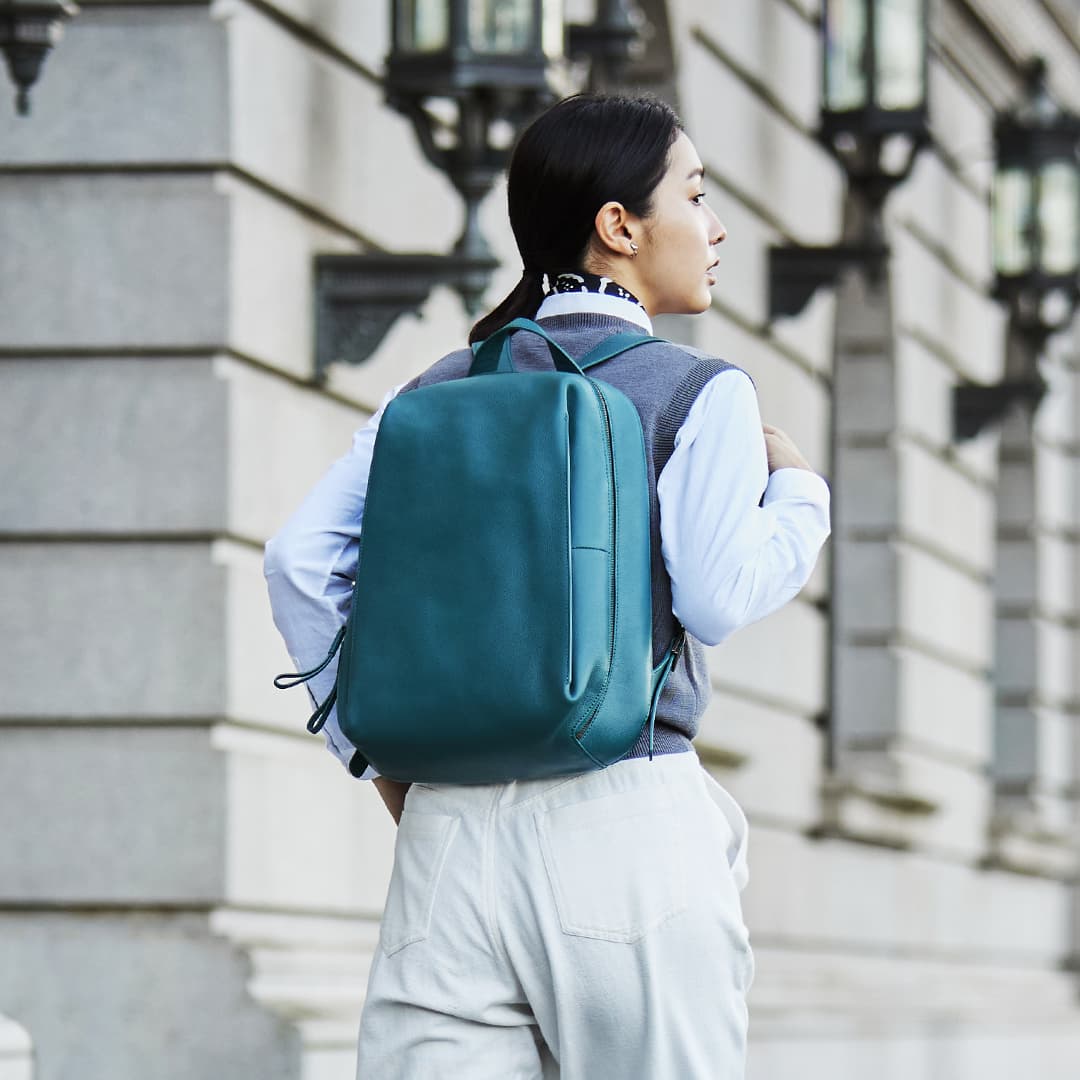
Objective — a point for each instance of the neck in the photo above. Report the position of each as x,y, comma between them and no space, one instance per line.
582,281
624,271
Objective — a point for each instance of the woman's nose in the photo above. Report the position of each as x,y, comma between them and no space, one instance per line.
719,232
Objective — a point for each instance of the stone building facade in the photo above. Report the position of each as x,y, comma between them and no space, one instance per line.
189,886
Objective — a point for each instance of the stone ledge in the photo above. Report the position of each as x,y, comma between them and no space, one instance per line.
1023,841
308,970
909,791
903,795
16,1051
902,990
877,807
721,757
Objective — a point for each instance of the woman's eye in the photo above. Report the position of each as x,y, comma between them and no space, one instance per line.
696,200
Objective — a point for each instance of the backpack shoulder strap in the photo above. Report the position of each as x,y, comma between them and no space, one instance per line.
613,346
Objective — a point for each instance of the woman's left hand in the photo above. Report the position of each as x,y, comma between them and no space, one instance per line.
782,451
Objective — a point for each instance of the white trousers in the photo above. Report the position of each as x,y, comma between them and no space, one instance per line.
586,928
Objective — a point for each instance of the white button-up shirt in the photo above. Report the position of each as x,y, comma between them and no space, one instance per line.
738,543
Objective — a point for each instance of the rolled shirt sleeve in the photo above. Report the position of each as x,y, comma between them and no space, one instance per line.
737,542
310,569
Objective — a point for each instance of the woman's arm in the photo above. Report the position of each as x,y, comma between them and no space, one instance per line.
310,567
738,542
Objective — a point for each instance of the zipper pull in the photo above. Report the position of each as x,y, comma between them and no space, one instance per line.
676,649
288,679
322,713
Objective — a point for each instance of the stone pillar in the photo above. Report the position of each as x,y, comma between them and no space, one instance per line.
911,604
1036,605
1071,369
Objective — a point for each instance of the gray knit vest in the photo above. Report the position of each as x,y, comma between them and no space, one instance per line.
662,380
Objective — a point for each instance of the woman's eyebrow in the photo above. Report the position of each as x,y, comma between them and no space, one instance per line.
699,172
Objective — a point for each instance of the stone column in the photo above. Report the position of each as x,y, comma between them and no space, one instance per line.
1034,760
911,604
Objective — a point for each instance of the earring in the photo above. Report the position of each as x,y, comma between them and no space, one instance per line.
633,249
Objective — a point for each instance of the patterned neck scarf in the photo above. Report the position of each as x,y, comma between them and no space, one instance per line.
582,281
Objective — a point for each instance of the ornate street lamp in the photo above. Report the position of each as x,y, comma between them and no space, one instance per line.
28,30
874,79
610,42
1036,208
874,96
468,74
1036,243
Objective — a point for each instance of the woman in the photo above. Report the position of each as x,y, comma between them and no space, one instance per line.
586,927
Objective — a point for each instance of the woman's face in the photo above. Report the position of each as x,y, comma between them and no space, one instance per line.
676,252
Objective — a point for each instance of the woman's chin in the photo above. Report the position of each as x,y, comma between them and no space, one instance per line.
686,306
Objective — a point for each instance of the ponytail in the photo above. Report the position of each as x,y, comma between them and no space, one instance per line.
524,301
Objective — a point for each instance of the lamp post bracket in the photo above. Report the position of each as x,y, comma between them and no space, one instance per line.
359,297
797,272
975,406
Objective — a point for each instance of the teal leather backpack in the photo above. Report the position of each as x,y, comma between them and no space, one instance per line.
501,622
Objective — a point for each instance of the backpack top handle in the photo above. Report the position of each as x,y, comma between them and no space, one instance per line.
492,355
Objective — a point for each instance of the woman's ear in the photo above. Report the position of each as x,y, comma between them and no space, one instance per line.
615,230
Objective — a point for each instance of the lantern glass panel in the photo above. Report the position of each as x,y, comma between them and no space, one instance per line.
501,26
551,34
1059,210
899,47
424,25
1012,217
845,50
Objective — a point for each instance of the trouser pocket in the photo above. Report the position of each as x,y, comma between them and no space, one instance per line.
740,830
614,864
734,830
420,851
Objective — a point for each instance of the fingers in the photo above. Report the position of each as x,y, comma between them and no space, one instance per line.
781,450
770,430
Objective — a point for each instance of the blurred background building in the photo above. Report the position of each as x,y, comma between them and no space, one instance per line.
190,887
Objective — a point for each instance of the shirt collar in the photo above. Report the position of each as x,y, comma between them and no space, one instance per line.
574,303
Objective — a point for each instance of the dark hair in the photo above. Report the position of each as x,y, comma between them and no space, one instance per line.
581,153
